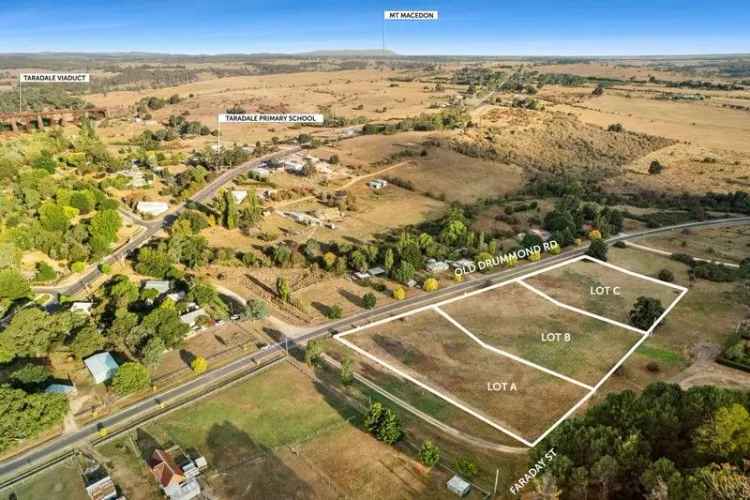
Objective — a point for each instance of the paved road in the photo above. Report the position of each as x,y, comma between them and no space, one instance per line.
62,443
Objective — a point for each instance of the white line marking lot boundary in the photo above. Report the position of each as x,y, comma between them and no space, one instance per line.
520,280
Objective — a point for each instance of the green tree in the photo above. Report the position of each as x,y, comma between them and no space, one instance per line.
27,415
231,214
30,374
405,272
334,312
369,300
727,435
13,285
32,331
388,259
598,250
466,468
347,373
282,289
645,312
152,352
429,454
383,423
313,350
106,224
44,272
358,261
130,377
256,309
87,341
54,217
605,470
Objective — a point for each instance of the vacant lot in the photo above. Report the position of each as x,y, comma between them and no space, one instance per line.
60,481
278,436
439,355
575,285
514,319
455,177
727,244
695,121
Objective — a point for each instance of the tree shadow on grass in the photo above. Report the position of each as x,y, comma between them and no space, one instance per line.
354,299
249,469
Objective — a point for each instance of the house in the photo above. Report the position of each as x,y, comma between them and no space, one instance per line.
102,366
541,234
152,207
377,184
176,296
293,166
436,266
462,263
172,479
260,173
99,486
458,486
161,286
361,276
191,318
239,196
61,389
82,307
376,271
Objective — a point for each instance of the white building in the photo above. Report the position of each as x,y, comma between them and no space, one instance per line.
161,286
377,184
239,196
152,207
436,266
191,318
82,307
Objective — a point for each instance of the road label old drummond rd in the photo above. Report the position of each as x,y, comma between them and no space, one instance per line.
54,77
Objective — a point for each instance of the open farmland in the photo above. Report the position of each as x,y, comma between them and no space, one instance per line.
575,285
726,244
438,355
515,320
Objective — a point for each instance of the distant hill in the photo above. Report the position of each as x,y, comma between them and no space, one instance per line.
348,53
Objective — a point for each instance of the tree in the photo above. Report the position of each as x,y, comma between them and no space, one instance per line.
230,211
282,289
598,250
13,285
666,275
334,312
430,285
30,374
383,423
358,261
399,293
130,377
32,331
655,167
347,373
105,224
727,435
87,341
429,454
605,470
152,352
256,309
54,217
405,272
645,312
466,468
388,259
44,272
199,365
329,259
369,300
313,350
26,415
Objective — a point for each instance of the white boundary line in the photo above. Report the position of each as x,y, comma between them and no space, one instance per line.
441,395
507,354
490,422
581,311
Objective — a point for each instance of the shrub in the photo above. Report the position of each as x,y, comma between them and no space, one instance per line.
78,267
653,367
346,374
399,293
655,167
666,275
645,311
429,454
598,250
466,468
199,365
334,312
130,377
105,268
44,272
430,285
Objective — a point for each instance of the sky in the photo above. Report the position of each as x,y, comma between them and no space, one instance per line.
499,27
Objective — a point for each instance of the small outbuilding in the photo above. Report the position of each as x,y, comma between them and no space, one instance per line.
152,207
102,366
459,486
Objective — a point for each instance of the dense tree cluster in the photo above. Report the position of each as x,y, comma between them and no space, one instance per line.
665,443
